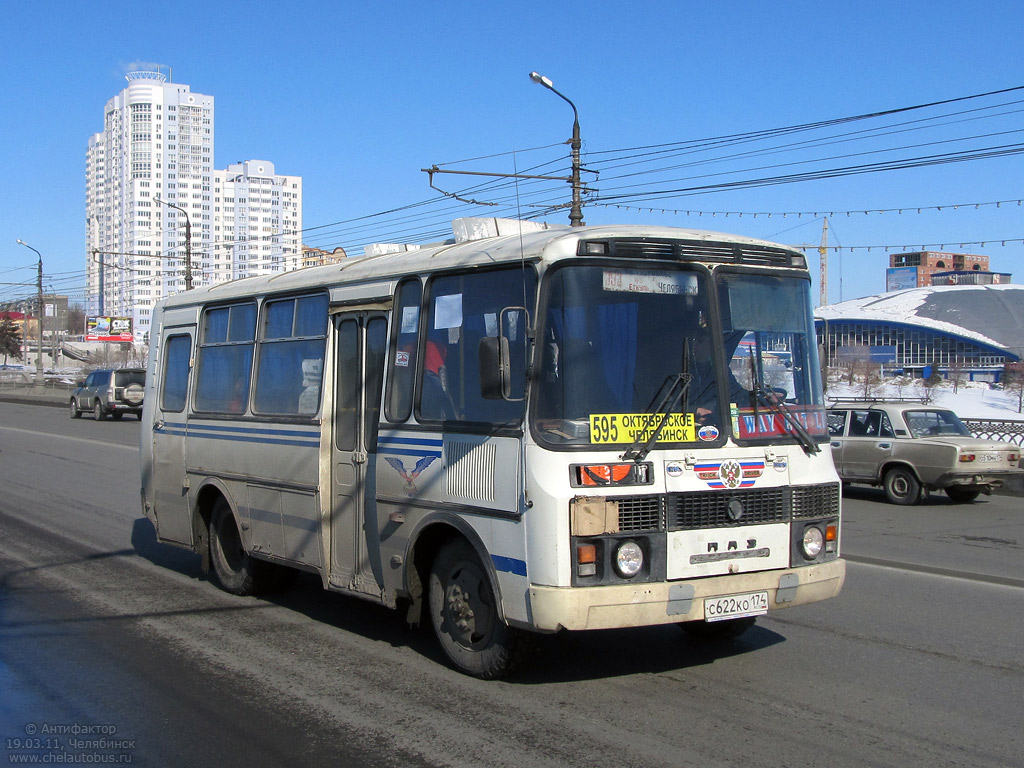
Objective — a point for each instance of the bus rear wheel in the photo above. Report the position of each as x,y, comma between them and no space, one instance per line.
465,616
236,571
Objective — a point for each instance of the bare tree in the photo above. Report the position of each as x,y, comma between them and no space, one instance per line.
1013,381
957,371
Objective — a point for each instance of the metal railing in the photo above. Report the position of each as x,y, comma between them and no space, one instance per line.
996,429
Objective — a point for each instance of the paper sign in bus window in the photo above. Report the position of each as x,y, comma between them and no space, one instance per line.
448,312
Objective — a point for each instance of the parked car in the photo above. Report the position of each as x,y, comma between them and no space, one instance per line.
912,448
110,393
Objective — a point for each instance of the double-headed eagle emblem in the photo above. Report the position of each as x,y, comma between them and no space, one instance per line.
410,476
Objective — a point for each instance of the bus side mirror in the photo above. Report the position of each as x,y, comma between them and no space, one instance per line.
495,373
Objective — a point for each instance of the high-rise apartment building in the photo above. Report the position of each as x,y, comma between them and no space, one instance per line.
257,222
160,218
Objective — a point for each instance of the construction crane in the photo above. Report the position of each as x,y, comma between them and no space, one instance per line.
823,262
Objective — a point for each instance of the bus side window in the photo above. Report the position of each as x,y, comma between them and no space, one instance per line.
175,383
404,346
464,309
224,358
291,354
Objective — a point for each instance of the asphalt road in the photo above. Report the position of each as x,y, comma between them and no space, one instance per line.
114,645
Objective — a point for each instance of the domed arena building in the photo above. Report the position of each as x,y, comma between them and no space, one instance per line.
974,330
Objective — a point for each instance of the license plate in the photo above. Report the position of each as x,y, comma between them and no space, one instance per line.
735,606
989,457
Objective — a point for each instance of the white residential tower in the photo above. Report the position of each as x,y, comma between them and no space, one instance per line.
159,217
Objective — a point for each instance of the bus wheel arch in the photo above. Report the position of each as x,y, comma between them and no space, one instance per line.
234,569
456,585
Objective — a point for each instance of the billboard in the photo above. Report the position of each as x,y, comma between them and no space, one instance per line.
900,278
106,328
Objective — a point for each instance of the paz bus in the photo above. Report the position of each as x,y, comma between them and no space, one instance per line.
566,429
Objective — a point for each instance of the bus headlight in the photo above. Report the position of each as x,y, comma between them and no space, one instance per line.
812,542
629,559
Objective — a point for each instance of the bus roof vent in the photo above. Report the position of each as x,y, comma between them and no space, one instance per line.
704,250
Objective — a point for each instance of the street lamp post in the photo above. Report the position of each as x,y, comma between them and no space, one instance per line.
576,210
188,242
39,285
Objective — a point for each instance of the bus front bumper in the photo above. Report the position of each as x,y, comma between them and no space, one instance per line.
638,605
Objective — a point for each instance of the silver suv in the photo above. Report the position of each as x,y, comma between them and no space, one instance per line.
909,449
110,393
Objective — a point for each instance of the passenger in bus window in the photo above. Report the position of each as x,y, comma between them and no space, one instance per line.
436,401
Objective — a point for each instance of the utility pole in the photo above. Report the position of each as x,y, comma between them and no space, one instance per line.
39,318
576,210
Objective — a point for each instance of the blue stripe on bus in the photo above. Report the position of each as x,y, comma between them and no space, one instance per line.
409,446
403,452
244,434
387,440
509,564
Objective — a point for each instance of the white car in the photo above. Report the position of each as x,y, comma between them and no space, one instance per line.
911,448
110,393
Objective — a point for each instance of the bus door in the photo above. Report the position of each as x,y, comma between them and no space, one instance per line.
169,430
361,341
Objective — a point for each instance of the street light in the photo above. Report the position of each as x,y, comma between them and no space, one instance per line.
188,242
576,210
39,350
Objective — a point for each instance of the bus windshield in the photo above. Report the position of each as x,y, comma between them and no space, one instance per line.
626,352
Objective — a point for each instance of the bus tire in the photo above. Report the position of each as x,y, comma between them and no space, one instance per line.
236,571
901,486
714,631
465,616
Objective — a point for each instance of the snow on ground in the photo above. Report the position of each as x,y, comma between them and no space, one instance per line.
972,400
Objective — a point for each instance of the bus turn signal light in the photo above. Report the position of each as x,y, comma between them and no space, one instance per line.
586,559
611,474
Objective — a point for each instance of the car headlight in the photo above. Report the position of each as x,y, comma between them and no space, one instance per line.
629,559
812,542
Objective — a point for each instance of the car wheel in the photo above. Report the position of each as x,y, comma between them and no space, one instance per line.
901,486
962,495
464,613
715,631
75,413
97,411
236,571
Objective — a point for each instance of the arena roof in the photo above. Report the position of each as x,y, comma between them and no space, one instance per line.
991,314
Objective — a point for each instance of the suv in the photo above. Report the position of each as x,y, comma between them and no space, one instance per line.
110,393
909,449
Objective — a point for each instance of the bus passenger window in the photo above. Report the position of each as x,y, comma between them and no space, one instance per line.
224,359
291,356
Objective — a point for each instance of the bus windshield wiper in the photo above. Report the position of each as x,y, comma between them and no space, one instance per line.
675,387
792,424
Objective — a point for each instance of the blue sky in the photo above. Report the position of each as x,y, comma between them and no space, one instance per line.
358,97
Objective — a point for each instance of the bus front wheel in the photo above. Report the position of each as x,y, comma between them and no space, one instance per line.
465,616
237,572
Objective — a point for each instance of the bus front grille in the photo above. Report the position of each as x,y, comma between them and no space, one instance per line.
713,509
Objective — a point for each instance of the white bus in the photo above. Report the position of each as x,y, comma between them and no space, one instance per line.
573,429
